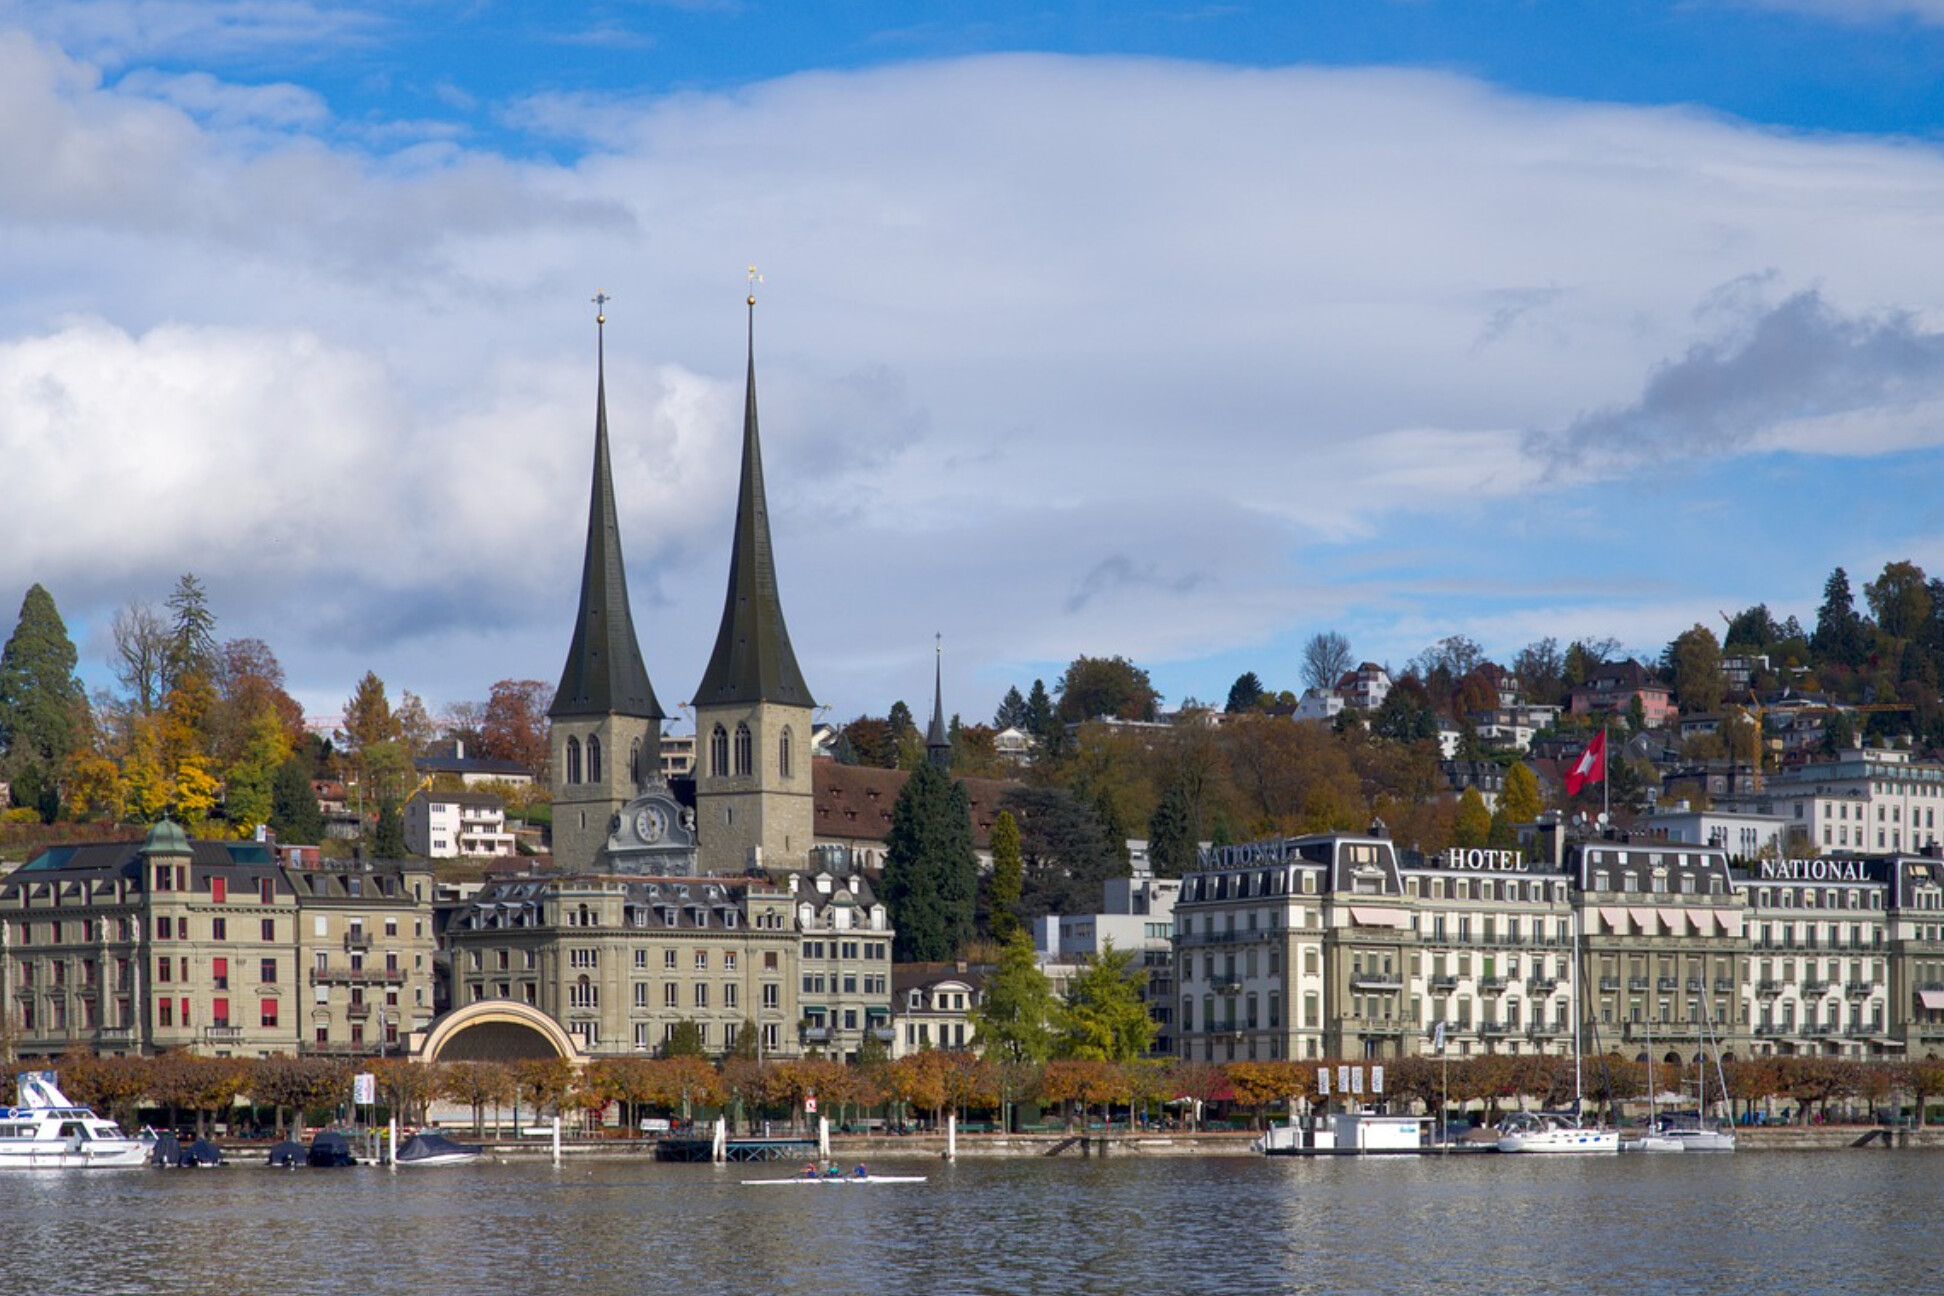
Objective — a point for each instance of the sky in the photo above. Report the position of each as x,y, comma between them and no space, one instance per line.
1175,331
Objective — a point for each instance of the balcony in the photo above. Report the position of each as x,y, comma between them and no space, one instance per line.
357,939
1697,985
1540,1030
222,1034
1816,987
1228,987
1496,1028
809,1034
1375,981
1667,985
1724,985
1609,984
357,1011
1443,984
1768,988
1859,989
1541,985
1493,984
1637,984
882,1034
357,976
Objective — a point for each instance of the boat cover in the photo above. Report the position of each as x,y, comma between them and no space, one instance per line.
288,1153
331,1148
425,1146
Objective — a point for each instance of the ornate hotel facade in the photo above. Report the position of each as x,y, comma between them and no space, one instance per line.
1344,946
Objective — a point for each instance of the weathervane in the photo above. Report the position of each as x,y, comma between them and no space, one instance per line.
600,300
754,279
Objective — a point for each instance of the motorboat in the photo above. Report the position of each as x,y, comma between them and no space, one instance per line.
329,1150
44,1130
1695,1135
1554,1132
427,1148
170,1153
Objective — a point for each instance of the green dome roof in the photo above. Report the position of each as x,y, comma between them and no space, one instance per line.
166,838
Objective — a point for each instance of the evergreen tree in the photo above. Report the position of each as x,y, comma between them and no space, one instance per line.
388,842
43,709
294,814
192,633
1171,838
1041,719
1245,694
1008,873
1839,636
1013,712
1066,855
1113,829
931,873
685,1040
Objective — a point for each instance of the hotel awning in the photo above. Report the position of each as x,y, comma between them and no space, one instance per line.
1931,998
1648,919
1615,918
1677,921
1372,916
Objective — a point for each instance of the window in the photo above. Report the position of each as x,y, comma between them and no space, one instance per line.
729,996
573,760
701,995
593,759
269,972
745,761
772,997
267,890
783,753
634,762
219,1014
718,752
269,932
164,1013
671,995
219,929
219,973
218,890
583,994
163,967
701,960
769,960
641,960
164,930
728,960
668,959
267,1015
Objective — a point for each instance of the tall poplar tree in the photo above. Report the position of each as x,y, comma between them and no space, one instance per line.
43,708
931,873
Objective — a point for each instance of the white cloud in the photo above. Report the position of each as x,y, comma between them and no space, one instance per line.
115,33
1056,355
1858,11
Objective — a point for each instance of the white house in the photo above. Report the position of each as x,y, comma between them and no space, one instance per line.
447,825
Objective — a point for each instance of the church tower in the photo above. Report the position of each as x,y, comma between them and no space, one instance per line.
606,723
938,741
752,710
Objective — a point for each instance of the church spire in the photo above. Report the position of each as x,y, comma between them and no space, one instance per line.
938,744
604,674
753,661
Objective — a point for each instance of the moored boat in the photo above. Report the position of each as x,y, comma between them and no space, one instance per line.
45,1131
431,1149
1554,1132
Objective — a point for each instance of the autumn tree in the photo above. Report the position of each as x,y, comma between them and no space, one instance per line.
514,725
1112,687
1521,800
1015,1021
1900,600
1326,657
1694,658
1104,1016
1474,826
141,656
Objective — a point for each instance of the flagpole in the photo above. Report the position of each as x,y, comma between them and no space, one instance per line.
1606,784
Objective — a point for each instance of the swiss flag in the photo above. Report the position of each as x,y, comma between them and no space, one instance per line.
1590,767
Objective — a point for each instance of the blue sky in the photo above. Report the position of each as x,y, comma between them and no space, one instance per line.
1177,331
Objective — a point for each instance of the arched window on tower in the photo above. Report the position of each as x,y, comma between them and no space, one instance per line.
745,759
719,752
634,762
573,760
783,753
593,759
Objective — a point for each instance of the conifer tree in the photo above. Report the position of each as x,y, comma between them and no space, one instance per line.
931,874
1008,878
294,814
43,709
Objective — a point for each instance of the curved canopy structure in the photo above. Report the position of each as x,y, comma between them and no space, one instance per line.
497,1030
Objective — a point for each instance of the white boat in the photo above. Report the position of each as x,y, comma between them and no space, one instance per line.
1554,1132
1695,1138
860,1180
44,1131
1560,1131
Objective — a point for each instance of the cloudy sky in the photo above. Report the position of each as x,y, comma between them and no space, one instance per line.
1174,330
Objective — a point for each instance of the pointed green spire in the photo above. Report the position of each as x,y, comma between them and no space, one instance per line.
753,661
604,674
938,743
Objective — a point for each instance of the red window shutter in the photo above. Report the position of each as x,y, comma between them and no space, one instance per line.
218,890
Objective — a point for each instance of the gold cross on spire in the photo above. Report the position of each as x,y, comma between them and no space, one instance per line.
600,300
754,279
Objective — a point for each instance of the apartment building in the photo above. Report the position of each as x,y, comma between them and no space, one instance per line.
844,940
621,961
131,948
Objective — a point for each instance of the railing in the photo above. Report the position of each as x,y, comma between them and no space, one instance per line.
1667,985
359,1010
1859,989
219,1034
1540,1030
357,976
1724,985
1493,984
1636,983
1496,1028
1541,985
1228,987
1375,981
1768,987
1816,987
1609,983
357,939
1443,984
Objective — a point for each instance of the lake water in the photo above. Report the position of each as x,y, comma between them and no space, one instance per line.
1776,1224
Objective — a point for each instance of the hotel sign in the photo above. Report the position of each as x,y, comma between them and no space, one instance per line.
1811,870
1277,851
1484,861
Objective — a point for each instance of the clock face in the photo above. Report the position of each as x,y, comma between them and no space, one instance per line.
650,823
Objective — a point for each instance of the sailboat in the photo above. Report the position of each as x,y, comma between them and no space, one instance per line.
1651,1139
1701,1134
1561,1131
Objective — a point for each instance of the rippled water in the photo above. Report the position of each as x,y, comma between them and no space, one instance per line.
1776,1224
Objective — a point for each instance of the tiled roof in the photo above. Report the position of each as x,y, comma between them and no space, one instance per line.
853,802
